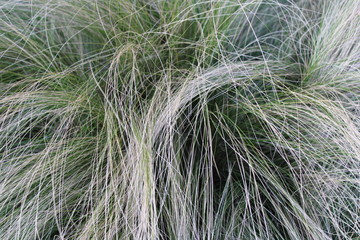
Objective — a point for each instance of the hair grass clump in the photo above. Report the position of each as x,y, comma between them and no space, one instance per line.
134,119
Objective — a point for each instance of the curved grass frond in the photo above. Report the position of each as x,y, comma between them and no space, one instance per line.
229,119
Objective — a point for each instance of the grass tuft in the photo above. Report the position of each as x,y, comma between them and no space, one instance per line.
134,119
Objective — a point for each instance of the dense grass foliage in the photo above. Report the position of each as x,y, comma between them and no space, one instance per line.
191,119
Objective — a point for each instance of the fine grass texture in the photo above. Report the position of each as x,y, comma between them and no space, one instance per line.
191,119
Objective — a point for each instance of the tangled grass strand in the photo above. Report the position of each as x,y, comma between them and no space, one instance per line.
134,119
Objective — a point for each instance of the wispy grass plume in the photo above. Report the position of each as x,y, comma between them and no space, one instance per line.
192,119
